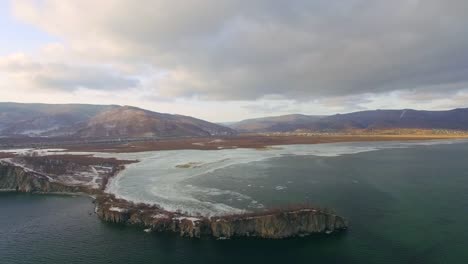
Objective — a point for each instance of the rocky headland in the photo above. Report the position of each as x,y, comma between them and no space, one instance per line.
272,224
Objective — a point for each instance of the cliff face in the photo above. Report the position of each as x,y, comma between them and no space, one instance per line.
280,224
272,225
17,178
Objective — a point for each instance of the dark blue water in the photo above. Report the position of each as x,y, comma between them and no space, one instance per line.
404,206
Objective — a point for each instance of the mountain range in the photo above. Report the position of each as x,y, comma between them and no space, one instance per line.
456,119
99,121
114,121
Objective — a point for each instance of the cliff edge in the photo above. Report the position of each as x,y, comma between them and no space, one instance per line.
16,178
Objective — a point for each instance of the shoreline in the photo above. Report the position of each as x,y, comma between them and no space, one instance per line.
246,141
253,141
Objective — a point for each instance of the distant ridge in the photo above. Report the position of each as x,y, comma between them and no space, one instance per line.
114,121
456,119
275,123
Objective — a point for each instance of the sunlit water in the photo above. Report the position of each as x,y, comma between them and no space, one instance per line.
405,203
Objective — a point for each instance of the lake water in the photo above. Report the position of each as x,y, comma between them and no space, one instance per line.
405,204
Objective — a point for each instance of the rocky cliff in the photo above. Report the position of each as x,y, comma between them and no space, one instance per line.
278,224
271,224
17,178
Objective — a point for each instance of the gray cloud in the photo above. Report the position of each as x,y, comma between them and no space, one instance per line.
71,78
247,50
53,75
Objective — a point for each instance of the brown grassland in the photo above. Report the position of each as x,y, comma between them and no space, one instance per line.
251,141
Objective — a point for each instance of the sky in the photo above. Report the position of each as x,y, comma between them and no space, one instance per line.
227,60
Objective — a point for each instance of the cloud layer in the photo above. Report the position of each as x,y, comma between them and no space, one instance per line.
25,72
236,50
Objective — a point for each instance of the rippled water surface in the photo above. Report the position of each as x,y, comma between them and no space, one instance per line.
406,204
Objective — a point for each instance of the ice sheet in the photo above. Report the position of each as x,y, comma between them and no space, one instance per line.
162,176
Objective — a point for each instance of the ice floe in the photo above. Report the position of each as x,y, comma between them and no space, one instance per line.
279,188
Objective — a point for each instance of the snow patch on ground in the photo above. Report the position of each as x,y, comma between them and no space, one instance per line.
160,216
33,152
191,219
117,209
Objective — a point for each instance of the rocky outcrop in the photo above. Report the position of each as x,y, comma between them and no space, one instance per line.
278,224
17,178
271,224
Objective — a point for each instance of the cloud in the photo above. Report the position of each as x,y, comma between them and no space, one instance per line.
236,50
20,70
